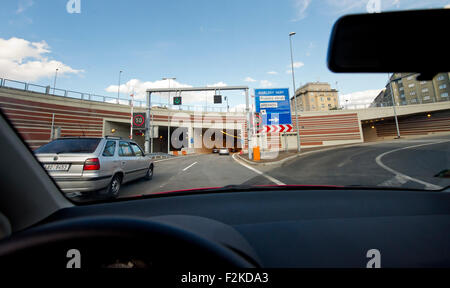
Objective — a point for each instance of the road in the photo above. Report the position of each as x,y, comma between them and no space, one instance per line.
398,163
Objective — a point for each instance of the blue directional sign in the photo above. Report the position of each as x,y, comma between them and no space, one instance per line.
274,106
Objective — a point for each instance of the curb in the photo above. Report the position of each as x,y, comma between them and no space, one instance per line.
296,156
174,157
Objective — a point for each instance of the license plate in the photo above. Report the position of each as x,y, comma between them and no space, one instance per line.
57,167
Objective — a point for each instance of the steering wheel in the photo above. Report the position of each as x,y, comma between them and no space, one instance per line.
127,242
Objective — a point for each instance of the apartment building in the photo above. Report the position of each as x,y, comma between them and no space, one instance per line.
316,96
407,90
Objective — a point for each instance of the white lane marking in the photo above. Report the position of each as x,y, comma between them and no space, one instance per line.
400,177
278,182
189,166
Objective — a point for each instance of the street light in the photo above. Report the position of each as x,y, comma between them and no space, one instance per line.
54,83
168,115
295,96
118,88
393,105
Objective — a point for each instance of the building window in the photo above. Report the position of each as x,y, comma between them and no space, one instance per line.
443,86
402,95
444,95
329,99
426,97
440,78
412,93
424,90
403,102
423,82
313,107
410,78
321,99
401,89
329,105
411,85
413,100
323,105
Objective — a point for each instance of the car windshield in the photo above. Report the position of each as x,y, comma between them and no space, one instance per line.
179,95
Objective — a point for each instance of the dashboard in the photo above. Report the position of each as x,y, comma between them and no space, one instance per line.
300,228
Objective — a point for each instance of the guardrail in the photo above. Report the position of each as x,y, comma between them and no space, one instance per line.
24,86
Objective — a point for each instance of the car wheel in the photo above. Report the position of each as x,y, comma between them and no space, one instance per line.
149,174
114,186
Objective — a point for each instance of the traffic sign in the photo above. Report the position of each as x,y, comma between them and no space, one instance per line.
217,99
138,120
274,105
177,100
284,128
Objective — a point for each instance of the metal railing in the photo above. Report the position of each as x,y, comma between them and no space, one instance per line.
24,86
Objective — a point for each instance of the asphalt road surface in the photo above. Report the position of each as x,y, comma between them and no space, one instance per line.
396,163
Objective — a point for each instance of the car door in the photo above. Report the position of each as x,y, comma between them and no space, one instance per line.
141,161
109,161
126,161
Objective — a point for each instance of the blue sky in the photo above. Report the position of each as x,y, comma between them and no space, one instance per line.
201,42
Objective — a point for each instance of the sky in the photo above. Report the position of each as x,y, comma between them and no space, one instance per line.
198,42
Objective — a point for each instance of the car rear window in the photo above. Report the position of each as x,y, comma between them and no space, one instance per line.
61,146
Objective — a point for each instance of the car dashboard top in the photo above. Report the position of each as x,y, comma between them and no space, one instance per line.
306,228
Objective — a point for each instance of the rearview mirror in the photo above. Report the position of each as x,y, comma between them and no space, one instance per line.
407,41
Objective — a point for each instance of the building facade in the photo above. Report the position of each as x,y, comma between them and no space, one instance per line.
316,96
407,90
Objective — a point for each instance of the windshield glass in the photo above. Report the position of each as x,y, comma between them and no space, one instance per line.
202,94
61,146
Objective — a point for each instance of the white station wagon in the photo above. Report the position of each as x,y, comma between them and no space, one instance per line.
80,165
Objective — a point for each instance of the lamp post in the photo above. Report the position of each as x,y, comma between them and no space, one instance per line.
168,115
295,96
118,87
393,105
54,83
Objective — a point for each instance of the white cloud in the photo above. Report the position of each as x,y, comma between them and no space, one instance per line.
218,84
272,73
265,84
300,7
298,64
447,6
359,99
27,61
24,5
249,79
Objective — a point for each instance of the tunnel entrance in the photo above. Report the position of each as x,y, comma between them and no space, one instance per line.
220,138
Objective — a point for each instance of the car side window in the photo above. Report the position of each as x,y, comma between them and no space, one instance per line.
125,149
137,150
110,149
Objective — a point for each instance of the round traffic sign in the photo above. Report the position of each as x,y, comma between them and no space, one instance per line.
138,120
